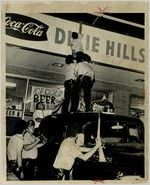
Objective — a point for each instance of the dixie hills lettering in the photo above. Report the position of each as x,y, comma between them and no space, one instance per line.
111,47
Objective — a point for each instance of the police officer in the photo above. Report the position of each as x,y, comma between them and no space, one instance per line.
85,79
69,82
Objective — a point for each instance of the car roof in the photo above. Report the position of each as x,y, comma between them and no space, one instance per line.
84,116
57,122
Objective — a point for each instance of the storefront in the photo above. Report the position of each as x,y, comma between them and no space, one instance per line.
36,46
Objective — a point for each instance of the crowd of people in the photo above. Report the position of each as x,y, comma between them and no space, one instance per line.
23,146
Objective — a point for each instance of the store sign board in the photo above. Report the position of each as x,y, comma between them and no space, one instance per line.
112,48
24,27
59,35
51,97
103,46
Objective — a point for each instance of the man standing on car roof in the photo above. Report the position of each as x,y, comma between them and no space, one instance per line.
69,82
69,150
85,80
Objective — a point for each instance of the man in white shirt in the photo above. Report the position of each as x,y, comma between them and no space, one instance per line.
40,113
69,151
14,149
85,79
69,82
30,151
76,44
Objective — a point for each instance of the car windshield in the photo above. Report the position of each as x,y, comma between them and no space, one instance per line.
110,131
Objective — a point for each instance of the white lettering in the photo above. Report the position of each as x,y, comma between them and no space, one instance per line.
32,28
29,28
18,25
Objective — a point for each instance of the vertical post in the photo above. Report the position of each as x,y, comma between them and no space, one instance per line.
25,98
80,28
101,153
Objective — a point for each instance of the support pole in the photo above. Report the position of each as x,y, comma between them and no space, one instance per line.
117,19
25,98
80,28
101,153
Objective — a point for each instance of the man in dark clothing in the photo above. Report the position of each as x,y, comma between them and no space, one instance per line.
85,79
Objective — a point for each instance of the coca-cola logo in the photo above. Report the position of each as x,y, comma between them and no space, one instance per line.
24,27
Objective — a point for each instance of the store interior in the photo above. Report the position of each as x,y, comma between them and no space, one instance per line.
38,68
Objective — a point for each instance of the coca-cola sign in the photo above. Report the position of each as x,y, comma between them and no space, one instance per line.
24,27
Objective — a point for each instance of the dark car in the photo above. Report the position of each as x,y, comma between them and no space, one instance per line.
122,140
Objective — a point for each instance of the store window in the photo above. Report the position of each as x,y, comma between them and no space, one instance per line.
15,89
50,94
136,107
22,95
102,101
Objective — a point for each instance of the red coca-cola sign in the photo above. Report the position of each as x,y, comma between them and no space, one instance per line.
24,27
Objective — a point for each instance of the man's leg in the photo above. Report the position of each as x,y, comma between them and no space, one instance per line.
75,97
66,175
67,97
86,85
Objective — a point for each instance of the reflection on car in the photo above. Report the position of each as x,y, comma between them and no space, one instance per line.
122,140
